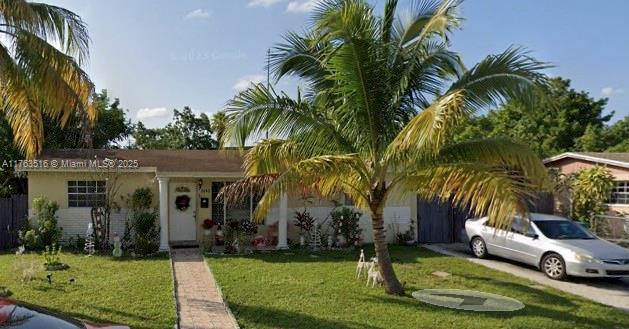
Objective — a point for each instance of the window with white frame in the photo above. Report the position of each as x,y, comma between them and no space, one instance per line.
620,193
86,193
221,211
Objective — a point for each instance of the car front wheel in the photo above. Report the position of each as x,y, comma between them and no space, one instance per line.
554,267
478,247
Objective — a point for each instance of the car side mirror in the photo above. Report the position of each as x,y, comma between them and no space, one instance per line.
533,236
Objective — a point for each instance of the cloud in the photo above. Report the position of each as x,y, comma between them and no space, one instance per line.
150,113
244,82
262,3
198,13
301,6
611,91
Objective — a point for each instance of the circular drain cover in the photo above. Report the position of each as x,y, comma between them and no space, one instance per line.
468,300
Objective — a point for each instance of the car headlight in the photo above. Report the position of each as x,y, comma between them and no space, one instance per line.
587,258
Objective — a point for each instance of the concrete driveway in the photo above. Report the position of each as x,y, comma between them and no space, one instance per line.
612,293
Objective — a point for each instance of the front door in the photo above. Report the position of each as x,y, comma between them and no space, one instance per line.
182,212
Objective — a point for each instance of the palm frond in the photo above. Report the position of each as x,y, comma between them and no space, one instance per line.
485,190
388,20
428,18
509,75
63,87
258,110
302,56
48,22
329,175
498,152
242,189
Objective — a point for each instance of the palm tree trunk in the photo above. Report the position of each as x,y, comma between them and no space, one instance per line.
391,284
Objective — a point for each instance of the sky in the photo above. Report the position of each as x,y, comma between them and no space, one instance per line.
158,55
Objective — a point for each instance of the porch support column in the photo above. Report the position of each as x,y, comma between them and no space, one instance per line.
282,227
163,213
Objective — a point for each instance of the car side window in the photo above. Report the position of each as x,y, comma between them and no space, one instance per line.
521,226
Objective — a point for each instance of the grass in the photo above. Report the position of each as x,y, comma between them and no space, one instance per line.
134,292
299,291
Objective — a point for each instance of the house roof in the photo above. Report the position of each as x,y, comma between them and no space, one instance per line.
609,158
229,161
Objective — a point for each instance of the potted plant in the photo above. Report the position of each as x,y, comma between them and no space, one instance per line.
52,257
207,225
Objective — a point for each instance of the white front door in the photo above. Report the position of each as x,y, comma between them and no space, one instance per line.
182,212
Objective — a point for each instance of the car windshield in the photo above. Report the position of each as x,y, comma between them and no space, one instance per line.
19,317
563,230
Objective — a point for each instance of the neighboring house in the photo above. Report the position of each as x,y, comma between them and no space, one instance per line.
616,163
76,180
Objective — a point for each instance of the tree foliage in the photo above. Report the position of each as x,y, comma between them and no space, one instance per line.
590,190
187,132
383,96
110,130
559,120
41,53
219,124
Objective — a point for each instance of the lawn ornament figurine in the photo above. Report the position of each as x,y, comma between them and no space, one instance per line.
315,239
89,240
362,265
117,246
373,274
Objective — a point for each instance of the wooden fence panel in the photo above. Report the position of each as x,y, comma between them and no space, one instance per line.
13,211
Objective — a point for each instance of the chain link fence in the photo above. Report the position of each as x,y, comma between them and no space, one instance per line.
611,228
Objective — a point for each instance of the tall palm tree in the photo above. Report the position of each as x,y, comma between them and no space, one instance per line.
41,53
219,124
383,97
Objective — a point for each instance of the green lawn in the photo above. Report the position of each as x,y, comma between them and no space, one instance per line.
299,291
135,292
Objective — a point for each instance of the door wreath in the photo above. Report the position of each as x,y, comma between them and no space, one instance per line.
182,202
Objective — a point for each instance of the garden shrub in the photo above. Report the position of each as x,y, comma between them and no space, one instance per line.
140,203
146,236
304,221
240,231
46,232
345,222
590,190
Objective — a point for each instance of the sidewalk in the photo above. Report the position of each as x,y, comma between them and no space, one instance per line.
200,304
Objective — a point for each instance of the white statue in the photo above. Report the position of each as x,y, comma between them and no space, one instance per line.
117,246
315,239
89,240
373,274
362,265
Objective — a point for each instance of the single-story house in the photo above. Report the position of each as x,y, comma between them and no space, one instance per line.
617,164
76,180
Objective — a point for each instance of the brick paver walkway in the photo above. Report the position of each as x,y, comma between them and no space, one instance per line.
199,301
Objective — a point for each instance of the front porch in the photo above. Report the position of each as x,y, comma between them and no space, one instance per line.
186,200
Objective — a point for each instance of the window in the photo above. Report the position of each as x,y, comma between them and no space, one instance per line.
86,193
240,211
218,206
521,226
620,193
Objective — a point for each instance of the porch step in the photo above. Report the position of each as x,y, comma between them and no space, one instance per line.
184,244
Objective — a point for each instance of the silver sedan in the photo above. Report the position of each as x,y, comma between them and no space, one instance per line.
558,246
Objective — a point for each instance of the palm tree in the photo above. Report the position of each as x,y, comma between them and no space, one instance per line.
383,97
219,124
41,53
